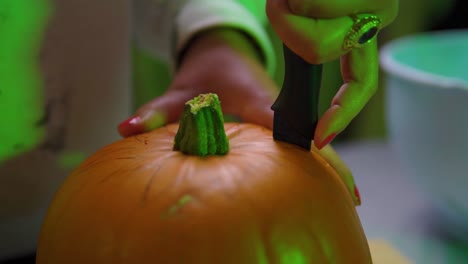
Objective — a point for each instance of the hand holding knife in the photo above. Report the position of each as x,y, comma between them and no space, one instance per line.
319,32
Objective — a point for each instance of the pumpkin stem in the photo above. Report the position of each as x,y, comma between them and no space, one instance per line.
201,127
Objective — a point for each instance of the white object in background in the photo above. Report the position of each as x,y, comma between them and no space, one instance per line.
427,110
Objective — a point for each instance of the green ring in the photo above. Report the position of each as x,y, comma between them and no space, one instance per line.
369,24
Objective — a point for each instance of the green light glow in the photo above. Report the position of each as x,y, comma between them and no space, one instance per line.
70,160
293,247
261,258
260,250
22,23
293,256
174,208
327,249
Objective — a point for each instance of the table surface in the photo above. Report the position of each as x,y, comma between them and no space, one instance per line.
394,208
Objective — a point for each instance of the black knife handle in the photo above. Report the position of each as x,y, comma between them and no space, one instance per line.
296,108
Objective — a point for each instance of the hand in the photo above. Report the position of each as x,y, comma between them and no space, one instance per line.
316,31
222,61
334,160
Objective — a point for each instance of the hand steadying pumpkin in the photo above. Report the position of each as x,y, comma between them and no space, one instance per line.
222,61
322,31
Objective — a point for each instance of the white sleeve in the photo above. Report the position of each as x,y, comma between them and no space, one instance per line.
164,27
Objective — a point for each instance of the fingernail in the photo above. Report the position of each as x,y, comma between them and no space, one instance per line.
327,140
143,122
357,194
131,126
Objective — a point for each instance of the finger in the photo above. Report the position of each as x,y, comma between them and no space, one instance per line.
156,113
359,69
256,108
329,154
333,122
346,105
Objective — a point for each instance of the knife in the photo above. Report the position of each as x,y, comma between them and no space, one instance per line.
296,107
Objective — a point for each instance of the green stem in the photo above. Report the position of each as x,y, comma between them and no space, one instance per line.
201,128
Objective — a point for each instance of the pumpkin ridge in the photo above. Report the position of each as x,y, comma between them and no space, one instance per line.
149,183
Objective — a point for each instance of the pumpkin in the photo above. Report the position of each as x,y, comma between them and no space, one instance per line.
222,193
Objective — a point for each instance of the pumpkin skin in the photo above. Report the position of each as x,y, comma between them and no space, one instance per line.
139,201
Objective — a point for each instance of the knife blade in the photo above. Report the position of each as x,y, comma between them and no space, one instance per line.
296,107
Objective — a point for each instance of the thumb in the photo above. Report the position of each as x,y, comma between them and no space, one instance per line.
258,113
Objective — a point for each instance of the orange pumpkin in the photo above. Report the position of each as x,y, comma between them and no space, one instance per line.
140,201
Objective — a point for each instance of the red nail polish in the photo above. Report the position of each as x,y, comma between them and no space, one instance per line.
358,195
131,126
322,144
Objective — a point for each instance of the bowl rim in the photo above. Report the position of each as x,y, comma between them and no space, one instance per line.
392,66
